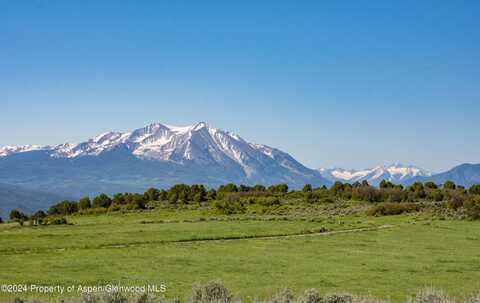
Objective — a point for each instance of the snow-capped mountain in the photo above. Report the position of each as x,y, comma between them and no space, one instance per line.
156,155
8,150
198,143
395,173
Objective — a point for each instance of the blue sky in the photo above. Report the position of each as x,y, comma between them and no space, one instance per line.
334,83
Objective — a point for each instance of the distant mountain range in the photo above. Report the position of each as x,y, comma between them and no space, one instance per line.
158,155
465,174
396,173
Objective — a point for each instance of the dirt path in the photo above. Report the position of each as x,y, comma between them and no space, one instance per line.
296,235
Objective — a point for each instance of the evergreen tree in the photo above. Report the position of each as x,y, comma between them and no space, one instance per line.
39,214
228,188
172,198
259,188
278,188
386,184
197,193
338,187
449,185
84,203
307,188
152,194
102,201
138,201
163,195
244,188
17,215
37,217
431,185
211,194
65,207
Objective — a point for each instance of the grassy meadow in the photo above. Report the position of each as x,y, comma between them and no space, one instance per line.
253,255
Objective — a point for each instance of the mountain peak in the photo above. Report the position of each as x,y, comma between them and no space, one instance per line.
200,125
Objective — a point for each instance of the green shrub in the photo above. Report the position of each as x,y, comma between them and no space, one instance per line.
474,189
267,201
114,207
456,201
310,197
63,208
94,211
84,203
326,200
278,188
366,193
392,194
57,221
16,215
40,214
389,209
473,209
436,195
449,185
229,207
307,188
102,200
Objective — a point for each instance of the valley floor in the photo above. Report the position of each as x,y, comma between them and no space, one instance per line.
386,257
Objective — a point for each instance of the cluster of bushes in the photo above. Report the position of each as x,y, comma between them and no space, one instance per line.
216,292
389,192
237,204
454,196
230,207
389,209
16,215
38,218
233,199
187,194
232,188
102,201
472,207
180,194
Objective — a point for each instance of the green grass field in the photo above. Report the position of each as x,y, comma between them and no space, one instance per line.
181,248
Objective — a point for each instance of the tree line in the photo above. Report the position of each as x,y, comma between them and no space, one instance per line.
232,198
